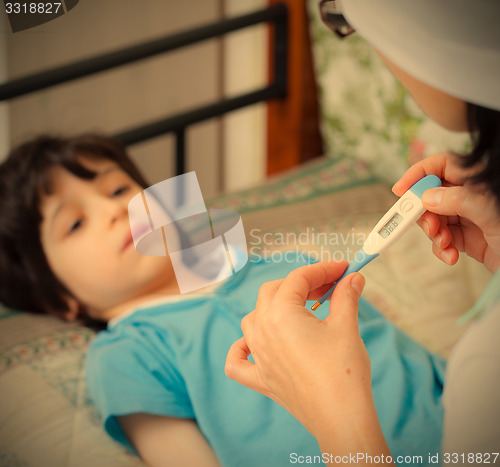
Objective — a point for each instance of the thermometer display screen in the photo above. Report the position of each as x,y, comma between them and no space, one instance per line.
391,226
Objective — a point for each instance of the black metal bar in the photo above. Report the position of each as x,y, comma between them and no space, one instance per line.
121,57
180,152
176,122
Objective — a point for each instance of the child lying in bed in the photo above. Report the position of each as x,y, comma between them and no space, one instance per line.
156,373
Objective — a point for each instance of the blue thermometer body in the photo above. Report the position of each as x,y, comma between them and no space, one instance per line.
398,219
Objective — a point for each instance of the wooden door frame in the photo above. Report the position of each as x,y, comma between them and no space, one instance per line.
293,134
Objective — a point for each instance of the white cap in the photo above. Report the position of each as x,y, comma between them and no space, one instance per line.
452,45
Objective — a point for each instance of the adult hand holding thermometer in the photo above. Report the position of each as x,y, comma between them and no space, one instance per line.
398,219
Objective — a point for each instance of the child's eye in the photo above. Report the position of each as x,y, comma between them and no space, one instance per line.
120,190
75,226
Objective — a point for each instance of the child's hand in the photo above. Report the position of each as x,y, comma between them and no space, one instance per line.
319,370
461,216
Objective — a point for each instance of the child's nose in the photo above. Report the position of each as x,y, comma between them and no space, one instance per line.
113,209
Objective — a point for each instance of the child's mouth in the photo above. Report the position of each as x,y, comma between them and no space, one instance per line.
135,235
128,242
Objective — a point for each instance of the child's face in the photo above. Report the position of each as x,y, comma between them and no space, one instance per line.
86,237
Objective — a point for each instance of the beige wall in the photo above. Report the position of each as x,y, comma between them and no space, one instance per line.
245,130
118,99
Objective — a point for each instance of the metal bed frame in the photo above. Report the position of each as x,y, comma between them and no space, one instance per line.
178,123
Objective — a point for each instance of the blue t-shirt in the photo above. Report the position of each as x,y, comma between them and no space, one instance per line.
169,360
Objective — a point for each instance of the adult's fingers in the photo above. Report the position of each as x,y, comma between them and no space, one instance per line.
267,292
430,223
247,324
239,368
445,165
448,255
345,303
316,294
463,201
299,283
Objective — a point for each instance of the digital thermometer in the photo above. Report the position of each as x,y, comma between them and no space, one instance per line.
405,212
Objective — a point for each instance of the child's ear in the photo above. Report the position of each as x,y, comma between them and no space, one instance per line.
73,312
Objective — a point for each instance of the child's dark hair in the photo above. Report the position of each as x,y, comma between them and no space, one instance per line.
484,126
27,282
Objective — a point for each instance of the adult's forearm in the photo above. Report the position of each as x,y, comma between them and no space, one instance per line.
354,437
